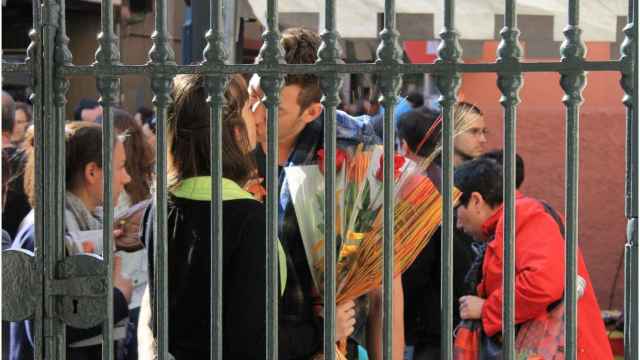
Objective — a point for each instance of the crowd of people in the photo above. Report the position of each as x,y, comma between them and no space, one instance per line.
477,247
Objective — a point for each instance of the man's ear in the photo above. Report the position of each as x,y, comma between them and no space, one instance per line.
312,112
476,200
92,173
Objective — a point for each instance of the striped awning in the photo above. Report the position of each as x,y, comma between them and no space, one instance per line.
475,19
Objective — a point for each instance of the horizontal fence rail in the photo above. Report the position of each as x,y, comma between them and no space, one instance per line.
360,68
50,63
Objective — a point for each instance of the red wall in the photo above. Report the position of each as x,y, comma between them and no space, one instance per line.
540,141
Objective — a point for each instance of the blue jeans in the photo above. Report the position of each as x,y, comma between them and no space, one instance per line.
408,352
130,351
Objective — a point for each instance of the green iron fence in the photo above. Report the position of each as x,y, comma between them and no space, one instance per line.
58,280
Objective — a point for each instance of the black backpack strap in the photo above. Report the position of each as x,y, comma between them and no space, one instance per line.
558,219
554,214
147,239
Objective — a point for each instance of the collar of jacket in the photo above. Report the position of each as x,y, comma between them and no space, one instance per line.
489,226
350,131
308,142
199,188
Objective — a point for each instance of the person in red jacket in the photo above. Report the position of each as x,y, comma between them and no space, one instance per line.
539,261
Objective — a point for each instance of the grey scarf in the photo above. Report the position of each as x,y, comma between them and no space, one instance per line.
81,218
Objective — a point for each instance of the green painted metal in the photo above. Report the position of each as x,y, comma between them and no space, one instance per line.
329,53
81,288
331,100
389,53
215,54
34,62
631,290
109,88
161,56
573,50
509,83
271,54
19,278
628,52
56,53
49,60
353,68
67,279
629,83
448,84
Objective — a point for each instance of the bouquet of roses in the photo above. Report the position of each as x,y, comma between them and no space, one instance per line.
359,216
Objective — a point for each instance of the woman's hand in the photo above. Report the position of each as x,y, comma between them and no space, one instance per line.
123,284
471,307
126,233
255,187
345,319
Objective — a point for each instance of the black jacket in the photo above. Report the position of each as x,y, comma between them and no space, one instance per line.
16,199
421,284
244,253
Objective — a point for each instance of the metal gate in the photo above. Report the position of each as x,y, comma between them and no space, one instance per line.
57,280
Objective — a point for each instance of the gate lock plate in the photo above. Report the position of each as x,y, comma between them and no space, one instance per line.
80,288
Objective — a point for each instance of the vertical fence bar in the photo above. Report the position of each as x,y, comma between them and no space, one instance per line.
107,55
272,53
329,53
34,60
628,59
44,192
389,53
573,51
215,55
448,83
56,54
509,83
161,57
629,83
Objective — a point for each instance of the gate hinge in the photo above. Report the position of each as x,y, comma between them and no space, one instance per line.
20,285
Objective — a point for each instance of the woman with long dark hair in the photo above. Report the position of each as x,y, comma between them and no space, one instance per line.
189,224
244,235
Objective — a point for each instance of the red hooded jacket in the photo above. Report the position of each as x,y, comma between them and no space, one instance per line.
539,281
